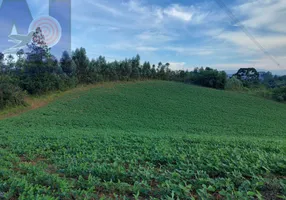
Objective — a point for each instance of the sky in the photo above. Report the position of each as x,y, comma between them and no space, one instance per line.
184,33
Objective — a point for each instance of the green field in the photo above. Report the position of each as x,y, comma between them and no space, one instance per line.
146,140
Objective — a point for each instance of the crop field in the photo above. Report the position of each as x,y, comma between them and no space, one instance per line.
146,140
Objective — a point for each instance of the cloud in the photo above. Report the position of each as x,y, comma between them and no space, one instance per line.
178,65
264,14
201,30
259,63
160,14
264,19
146,48
179,12
137,6
189,51
104,7
239,38
125,46
155,37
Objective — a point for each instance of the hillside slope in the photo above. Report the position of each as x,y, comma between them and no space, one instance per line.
146,139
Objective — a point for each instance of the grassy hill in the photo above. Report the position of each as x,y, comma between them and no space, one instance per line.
146,139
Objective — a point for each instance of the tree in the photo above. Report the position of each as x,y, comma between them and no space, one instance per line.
10,93
1,57
163,71
67,64
82,64
10,63
208,78
135,74
41,72
20,53
38,50
20,61
234,84
124,70
249,76
146,70
1,62
153,72
279,94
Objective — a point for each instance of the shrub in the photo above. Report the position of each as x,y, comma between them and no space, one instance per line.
209,78
10,94
279,94
233,84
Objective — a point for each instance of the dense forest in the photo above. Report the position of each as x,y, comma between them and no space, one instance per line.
36,71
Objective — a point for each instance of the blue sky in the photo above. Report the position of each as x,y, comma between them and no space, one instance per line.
185,33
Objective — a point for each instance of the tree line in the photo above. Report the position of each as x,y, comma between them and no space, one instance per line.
36,71
263,84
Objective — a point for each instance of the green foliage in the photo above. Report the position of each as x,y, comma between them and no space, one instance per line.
208,78
40,77
10,93
234,84
248,76
279,94
146,70
135,74
146,140
82,63
67,64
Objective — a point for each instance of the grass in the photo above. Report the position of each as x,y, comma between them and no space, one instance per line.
146,140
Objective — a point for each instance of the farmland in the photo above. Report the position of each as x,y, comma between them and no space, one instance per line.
146,140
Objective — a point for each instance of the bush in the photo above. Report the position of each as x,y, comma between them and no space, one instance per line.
10,94
209,78
233,84
279,94
41,77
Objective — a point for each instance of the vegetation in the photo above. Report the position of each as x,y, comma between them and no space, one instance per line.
248,76
160,140
10,94
234,84
37,71
151,139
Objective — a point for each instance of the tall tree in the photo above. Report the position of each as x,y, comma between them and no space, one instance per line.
38,50
135,74
67,64
10,63
82,63
1,62
146,70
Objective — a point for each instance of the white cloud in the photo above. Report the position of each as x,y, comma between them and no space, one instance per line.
240,38
136,6
264,14
265,20
155,37
259,63
146,48
161,14
104,7
189,51
177,65
123,46
201,30
179,12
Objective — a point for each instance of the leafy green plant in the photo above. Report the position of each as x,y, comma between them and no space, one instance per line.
146,140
